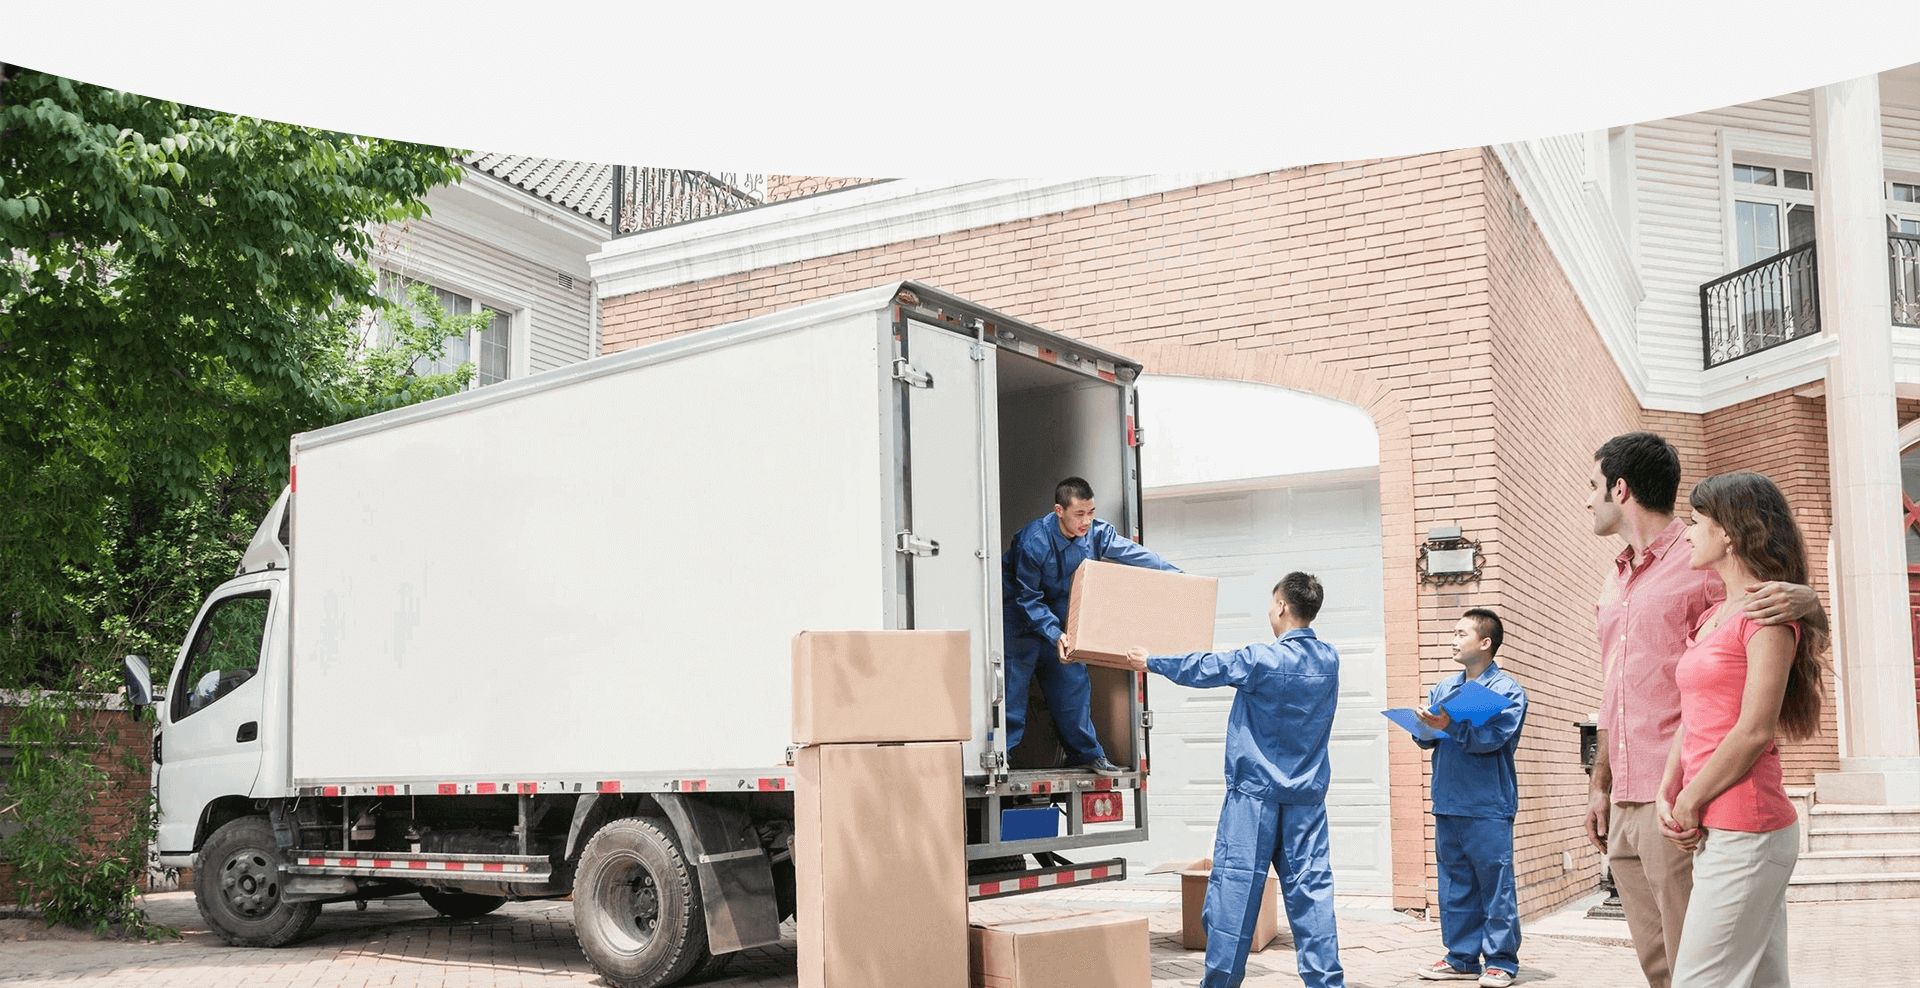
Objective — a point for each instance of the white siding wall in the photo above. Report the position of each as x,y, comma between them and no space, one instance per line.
556,322
1681,236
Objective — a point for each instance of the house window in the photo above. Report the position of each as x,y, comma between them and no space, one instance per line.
1772,210
490,349
1903,208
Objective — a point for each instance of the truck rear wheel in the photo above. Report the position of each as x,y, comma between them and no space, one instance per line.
636,906
461,905
238,887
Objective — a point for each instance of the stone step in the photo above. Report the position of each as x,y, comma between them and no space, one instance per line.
1864,839
1894,862
1828,816
1841,888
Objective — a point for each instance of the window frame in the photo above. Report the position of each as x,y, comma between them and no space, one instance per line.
177,709
518,318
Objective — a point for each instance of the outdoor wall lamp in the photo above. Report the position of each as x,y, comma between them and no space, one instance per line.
1448,556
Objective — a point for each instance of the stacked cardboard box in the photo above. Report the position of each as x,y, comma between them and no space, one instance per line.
879,844
1193,896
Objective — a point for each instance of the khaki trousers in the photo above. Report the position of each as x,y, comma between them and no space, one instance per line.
1655,880
1737,923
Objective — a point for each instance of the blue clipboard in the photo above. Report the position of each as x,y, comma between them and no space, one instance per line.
1404,717
1473,703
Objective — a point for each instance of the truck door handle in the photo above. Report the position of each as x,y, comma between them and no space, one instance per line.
248,731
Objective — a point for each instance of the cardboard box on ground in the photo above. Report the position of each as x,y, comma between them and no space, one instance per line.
851,687
1193,896
1114,607
1081,950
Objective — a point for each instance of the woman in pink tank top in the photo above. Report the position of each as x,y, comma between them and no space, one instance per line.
1741,684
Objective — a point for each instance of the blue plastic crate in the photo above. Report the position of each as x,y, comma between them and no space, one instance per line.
1029,822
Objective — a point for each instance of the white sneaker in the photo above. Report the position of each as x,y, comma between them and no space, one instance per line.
1443,971
1496,978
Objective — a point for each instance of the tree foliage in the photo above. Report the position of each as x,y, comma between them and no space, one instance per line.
180,291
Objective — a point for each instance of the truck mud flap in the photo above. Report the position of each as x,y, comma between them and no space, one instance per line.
736,876
1001,885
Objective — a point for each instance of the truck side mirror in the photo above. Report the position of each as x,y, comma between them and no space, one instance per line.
139,683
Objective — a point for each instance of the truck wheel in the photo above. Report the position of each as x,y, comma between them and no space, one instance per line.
462,905
237,885
636,906
711,966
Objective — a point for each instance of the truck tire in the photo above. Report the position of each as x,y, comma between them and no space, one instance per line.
711,966
237,886
636,906
462,905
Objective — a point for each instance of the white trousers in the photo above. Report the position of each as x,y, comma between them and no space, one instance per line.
1736,927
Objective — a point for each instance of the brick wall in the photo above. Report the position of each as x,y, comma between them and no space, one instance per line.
1784,436
794,186
1557,395
112,813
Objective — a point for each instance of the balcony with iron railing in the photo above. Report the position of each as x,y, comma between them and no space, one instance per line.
647,198
1777,300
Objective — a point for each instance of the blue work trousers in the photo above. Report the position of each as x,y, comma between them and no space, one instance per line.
1257,833
1479,913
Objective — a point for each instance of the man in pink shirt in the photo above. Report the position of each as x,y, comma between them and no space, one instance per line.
1651,603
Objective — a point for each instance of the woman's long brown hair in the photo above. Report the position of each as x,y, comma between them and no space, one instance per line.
1755,515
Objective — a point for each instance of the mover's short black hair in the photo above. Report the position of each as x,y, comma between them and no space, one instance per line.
1303,594
1649,465
1490,626
1070,490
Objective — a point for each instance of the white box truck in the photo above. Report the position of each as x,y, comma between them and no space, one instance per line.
534,639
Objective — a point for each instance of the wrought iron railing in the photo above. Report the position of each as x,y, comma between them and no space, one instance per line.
644,198
1903,277
1760,306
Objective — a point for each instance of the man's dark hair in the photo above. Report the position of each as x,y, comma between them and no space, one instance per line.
1070,490
1649,465
1490,626
1303,594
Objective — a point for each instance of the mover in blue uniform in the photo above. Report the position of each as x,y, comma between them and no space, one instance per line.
1475,797
1038,575
1276,809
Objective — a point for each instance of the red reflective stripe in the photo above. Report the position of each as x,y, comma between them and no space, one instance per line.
1046,354
382,863
527,787
417,865
330,791
484,787
293,477
349,862
449,788
456,866
1103,784
987,888
610,785
1043,786
493,866
316,861
772,785
383,790
1108,376
1029,883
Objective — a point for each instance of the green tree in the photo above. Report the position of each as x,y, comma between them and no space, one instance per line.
180,290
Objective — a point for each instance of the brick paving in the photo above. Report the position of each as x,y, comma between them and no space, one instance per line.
400,943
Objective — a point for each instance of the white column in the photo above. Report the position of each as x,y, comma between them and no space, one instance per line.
1881,762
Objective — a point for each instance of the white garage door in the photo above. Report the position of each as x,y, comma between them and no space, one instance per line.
1248,538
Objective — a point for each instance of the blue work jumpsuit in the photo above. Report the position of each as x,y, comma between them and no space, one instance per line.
1475,797
1275,813
1037,575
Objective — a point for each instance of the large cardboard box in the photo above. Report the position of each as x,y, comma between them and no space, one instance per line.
879,856
1084,950
852,687
1193,896
1114,607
